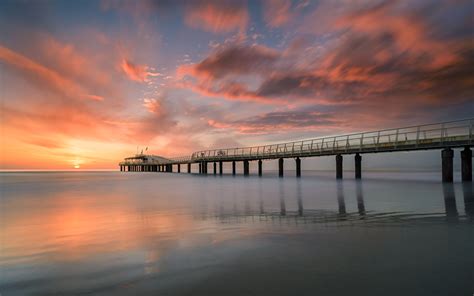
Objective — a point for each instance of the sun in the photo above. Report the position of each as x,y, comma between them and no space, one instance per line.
76,166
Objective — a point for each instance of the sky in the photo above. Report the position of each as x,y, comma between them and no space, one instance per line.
86,83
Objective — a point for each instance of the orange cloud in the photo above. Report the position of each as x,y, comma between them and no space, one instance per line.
217,16
82,67
153,106
410,33
135,72
281,121
41,75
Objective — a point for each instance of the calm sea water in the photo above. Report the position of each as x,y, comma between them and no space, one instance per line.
111,233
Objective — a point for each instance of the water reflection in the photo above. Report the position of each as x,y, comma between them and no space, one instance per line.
360,198
104,234
282,199
468,199
260,198
340,199
299,197
254,202
450,202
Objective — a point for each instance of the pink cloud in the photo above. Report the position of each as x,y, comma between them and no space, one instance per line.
140,73
217,16
277,12
43,76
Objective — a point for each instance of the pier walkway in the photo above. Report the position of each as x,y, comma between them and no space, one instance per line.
443,136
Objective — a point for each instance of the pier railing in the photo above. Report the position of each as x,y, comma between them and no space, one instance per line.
430,136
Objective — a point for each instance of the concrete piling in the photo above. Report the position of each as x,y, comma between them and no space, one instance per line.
233,168
221,170
189,168
246,168
298,167
215,168
358,166
260,167
339,166
466,165
447,165
280,167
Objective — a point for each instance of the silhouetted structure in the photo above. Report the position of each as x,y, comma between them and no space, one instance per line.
445,136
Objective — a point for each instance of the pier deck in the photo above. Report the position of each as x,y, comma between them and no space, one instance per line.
445,136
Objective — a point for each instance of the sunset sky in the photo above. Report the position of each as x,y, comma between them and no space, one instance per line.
83,83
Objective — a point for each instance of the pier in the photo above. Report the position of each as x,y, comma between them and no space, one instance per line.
443,136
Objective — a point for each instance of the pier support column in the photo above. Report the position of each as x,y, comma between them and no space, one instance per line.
215,168
447,165
260,167
339,166
233,168
246,168
466,165
189,168
358,166
221,169
204,167
280,167
179,168
200,168
298,167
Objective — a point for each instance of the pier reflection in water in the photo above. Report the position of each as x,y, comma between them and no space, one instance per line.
106,233
468,194
355,187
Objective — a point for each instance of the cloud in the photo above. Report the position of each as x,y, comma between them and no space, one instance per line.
216,75
140,73
280,121
40,75
372,58
217,16
277,12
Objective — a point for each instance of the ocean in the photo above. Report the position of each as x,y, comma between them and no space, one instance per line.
112,233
